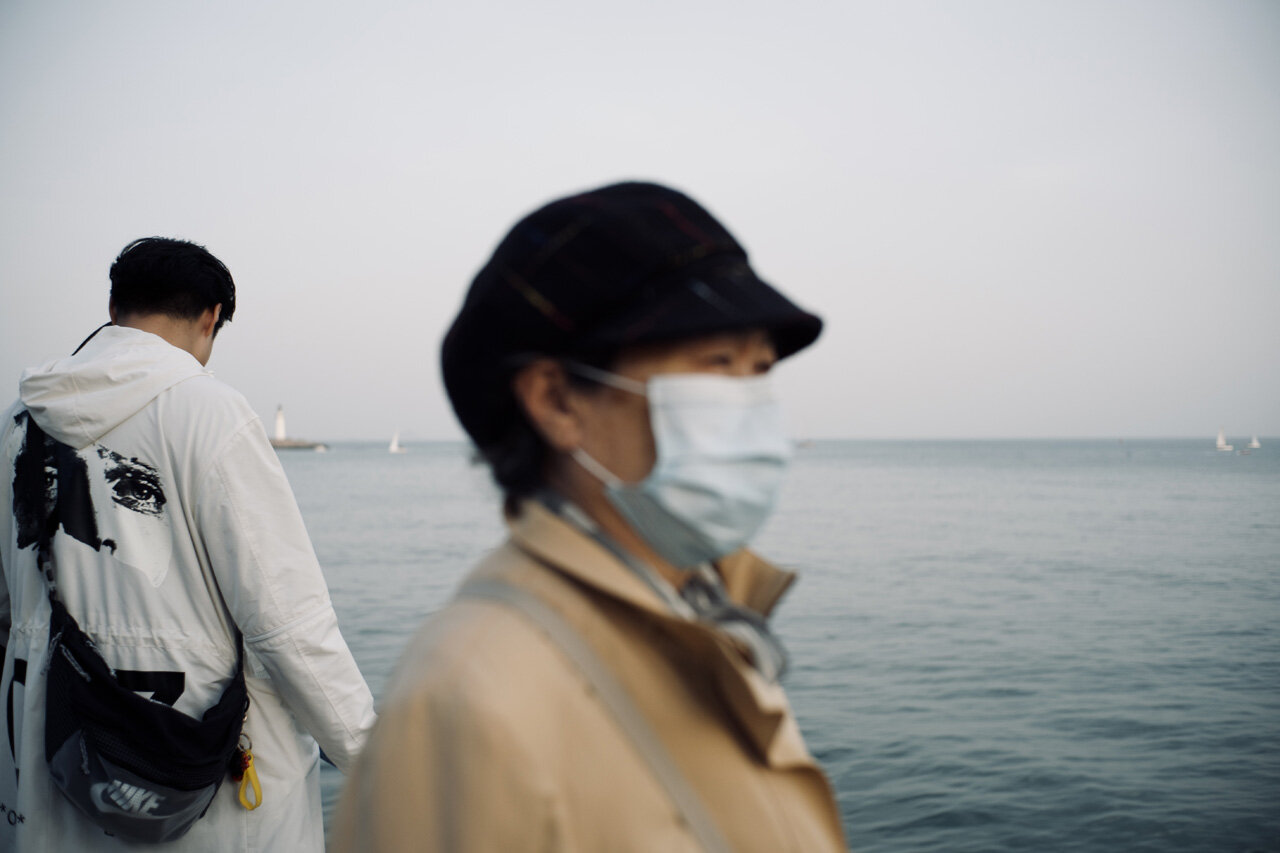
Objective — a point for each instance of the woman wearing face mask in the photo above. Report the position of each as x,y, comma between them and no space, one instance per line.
607,679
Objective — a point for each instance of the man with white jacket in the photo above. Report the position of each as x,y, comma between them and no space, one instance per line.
178,533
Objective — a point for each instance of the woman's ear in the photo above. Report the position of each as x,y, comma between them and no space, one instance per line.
543,391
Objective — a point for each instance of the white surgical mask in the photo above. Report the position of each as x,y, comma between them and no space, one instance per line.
722,453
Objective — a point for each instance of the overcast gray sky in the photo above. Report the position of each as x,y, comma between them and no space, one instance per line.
1018,218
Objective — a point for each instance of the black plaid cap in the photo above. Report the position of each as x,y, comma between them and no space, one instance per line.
624,264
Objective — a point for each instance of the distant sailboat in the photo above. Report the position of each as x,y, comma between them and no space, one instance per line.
1222,440
1253,443
281,441
395,444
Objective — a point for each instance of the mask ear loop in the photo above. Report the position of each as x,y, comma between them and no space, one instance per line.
613,380
604,377
595,469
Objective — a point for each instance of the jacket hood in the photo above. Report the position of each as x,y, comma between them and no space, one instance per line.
81,398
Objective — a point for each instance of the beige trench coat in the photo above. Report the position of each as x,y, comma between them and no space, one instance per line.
489,739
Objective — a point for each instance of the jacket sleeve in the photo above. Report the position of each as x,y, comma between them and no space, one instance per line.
272,584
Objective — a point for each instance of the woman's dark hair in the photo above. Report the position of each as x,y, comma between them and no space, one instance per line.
518,459
159,275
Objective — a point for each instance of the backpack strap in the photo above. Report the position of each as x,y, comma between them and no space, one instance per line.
614,697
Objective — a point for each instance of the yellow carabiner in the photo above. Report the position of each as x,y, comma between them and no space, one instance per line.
250,779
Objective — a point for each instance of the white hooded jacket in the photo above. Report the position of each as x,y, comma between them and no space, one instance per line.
178,527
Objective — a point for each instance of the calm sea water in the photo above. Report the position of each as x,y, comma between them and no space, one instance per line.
1063,646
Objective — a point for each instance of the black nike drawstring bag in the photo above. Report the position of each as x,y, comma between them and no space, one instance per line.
136,767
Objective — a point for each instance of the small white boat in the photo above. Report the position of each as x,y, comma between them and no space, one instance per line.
1253,443
1222,440
395,444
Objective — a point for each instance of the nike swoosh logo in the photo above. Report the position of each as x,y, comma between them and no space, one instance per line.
98,796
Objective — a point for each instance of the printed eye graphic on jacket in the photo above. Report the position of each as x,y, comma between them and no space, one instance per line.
98,496
135,485
128,497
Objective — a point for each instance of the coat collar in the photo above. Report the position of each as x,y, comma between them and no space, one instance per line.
759,706
749,580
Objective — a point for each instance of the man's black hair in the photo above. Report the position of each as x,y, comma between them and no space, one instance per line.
160,275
